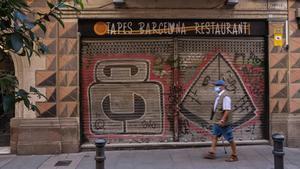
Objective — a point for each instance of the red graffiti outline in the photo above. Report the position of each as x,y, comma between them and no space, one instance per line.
235,67
152,77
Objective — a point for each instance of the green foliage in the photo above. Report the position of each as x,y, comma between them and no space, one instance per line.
11,94
17,37
16,27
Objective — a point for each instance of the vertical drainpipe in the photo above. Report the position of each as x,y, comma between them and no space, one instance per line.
176,94
78,85
287,47
57,85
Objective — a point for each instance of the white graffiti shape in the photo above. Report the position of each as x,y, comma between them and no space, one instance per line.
197,108
123,101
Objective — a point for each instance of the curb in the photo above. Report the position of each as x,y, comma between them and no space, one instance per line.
167,145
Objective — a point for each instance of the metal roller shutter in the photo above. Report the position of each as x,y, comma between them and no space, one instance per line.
160,90
241,62
125,89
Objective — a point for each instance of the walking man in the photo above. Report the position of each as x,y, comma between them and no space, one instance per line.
222,122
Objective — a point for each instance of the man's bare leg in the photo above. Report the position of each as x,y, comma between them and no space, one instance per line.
213,147
212,152
233,148
233,156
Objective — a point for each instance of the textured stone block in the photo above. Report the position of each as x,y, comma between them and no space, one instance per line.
295,60
294,45
51,94
278,91
45,78
70,147
45,135
295,91
293,130
69,31
68,109
69,134
68,94
46,109
278,76
278,61
279,106
68,78
39,149
279,124
51,45
68,46
51,62
68,63
294,75
295,105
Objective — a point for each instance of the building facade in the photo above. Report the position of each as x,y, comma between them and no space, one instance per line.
142,72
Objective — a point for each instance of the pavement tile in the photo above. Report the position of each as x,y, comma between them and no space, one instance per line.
88,162
5,159
255,159
26,162
185,165
52,161
180,156
122,166
291,166
143,157
75,158
265,152
292,156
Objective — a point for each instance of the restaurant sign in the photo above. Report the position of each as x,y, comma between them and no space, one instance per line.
158,27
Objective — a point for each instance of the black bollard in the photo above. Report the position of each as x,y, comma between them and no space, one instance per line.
278,153
100,156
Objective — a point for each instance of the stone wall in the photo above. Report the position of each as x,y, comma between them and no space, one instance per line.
294,80
57,128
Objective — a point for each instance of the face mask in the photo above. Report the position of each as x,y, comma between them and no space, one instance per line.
217,89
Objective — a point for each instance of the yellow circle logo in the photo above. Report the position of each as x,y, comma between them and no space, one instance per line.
100,28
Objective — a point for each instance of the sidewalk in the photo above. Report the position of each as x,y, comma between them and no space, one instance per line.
251,157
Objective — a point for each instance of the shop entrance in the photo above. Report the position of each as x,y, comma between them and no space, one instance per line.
6,67
159,89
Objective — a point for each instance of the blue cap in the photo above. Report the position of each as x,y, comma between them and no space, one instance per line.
219,83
